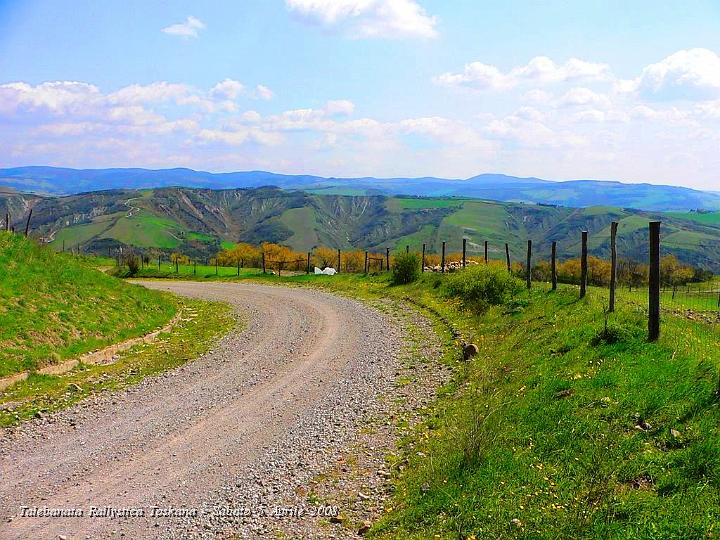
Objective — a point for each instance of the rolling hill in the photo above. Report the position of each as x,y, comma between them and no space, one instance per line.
575,193
199,222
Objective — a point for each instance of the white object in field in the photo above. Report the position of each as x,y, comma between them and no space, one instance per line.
318,271
329,271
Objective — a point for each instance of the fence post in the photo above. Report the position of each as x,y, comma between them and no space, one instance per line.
308,263
583,264
442,262
654,289
507,257
553,265
216,266
64,247
177,266
7,221
27,223
194,268
387,258
528,270
159,268
486,251
464,249
407,249
422,267
238,267
366,262
613,265
338,268
263,262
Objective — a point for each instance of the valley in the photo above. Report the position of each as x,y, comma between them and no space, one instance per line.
200,222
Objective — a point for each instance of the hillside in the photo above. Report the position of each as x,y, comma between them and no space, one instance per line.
199,222
54,306
576,193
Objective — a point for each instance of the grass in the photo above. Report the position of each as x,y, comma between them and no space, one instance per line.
562,426
201,324
54,306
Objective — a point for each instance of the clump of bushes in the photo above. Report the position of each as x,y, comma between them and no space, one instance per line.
406,268
482,286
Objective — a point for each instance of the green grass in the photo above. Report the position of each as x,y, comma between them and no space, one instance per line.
420,203
202,323
558,428
146,230
706,218
53,306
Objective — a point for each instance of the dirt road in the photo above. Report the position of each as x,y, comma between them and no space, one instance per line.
305,368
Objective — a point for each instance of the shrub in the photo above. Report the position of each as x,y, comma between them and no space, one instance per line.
406,268
479,287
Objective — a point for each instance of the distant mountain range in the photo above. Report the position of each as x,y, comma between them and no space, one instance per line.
573,193
200,222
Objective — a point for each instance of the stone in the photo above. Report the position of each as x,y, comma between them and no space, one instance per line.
470,350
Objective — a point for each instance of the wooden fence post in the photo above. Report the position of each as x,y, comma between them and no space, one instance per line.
263,262
216,266
486,251
553,265
442,262
422,267
407,249
654,289
238,267
159,263
507,257
339,262
528,270
387,258
194,268
366,262
464,250
308,263
7,221
177,266
583,264
613,264
27,223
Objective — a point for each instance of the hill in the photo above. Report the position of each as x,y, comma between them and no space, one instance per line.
54,306
576,193
199,222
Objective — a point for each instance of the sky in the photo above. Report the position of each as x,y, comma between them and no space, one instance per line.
558,89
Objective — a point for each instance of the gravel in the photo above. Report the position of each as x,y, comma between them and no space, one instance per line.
230,445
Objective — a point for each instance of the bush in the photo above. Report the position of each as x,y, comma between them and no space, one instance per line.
479,287
406,268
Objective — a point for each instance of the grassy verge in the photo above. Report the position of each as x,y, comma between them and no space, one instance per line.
201,324
564,426
54,306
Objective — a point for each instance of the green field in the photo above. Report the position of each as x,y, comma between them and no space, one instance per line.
706,218
54,306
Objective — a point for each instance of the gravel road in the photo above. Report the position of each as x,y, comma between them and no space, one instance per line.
200,450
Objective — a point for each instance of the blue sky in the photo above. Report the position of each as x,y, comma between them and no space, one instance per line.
556,89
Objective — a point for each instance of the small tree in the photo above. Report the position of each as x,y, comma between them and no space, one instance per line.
406,268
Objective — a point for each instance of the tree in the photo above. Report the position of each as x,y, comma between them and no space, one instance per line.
323,257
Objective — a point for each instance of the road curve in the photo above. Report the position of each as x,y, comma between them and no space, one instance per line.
177,440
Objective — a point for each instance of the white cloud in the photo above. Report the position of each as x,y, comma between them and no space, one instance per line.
583,97
187,29
340,107
228,89
539,70
368,18
692,74
263,92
